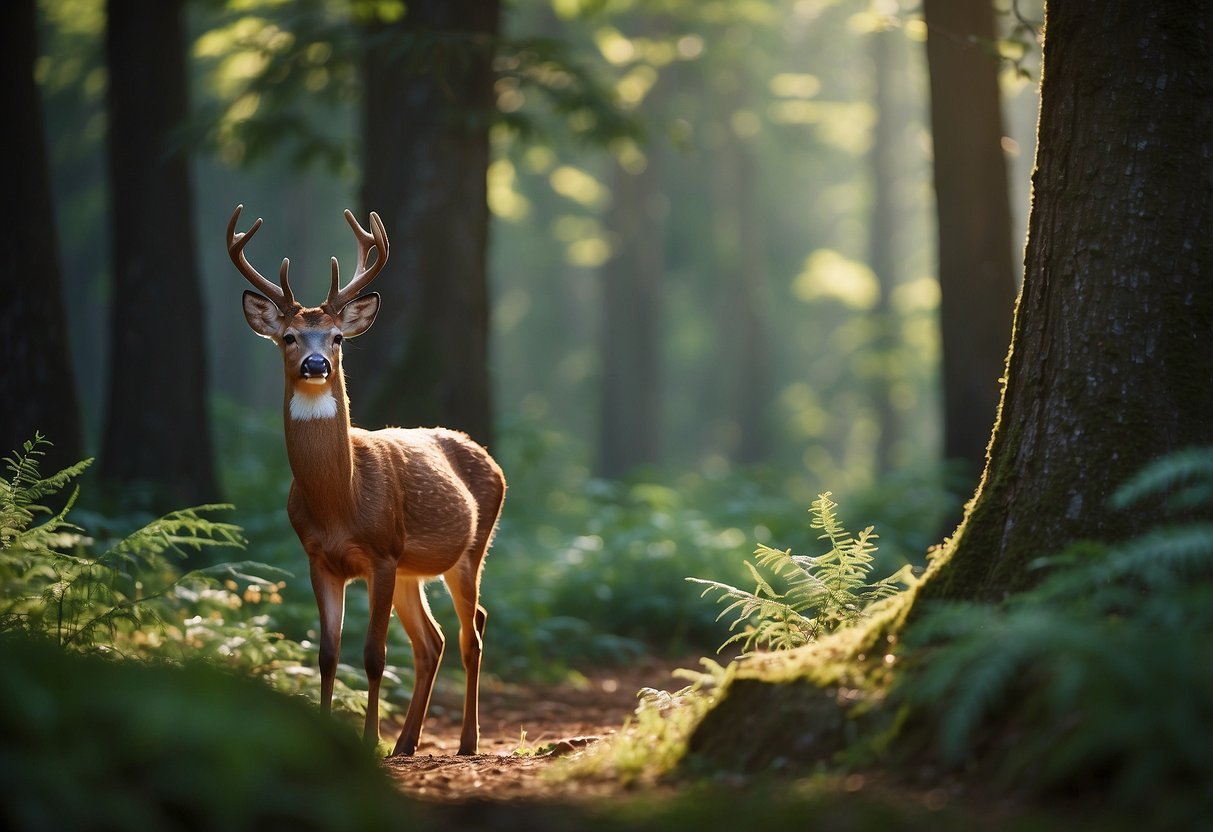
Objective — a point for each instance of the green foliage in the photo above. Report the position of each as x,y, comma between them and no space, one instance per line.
54,586
820,594
582,570
88,742
587,570
282,77
128,595
1101,674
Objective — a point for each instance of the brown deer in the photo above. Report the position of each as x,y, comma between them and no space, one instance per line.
390,506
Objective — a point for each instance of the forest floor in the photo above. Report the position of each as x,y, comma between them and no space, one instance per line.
512,784
558,720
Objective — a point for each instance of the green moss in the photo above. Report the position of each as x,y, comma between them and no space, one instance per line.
805,706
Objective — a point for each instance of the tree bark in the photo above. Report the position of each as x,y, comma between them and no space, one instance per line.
976,274
426,123
157,430
37,386
1112,354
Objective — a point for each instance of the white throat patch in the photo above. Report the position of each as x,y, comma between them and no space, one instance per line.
305,406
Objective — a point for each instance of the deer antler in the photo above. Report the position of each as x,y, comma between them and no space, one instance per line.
282,297
375,240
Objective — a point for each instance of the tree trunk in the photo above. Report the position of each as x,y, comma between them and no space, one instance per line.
157,430
629,430
976,274
37,386
1112,355
741,380
428,85
882,246
751,378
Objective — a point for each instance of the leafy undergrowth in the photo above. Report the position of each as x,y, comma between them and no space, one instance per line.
815,616
583,571
1100,679
1093,688
91,742
128,595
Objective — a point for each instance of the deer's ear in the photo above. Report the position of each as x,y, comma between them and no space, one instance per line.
262,315
357,316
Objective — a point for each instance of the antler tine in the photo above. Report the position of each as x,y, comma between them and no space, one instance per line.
288,297
235,250
374,240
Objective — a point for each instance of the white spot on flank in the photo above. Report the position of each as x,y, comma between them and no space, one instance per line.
306,406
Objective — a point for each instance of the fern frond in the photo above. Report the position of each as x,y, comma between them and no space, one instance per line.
184,527
1189,471
251,572
1163,556
27,485
822,593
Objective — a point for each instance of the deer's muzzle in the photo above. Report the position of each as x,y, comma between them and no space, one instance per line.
315,366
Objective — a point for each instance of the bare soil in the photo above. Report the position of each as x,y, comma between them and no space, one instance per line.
558,720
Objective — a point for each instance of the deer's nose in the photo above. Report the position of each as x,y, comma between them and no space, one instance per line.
315,366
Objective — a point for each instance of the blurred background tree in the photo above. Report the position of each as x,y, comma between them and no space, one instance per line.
38,382
427,85
976,269
157,432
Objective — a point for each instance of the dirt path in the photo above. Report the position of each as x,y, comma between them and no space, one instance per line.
558,720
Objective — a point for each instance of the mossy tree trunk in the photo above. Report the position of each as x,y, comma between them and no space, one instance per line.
1112,353
428,102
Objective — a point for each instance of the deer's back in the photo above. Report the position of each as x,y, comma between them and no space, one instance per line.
444,490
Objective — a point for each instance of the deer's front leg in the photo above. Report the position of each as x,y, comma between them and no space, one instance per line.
381,584
330,601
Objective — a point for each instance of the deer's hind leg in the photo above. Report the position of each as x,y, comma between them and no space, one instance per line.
423,631
463,582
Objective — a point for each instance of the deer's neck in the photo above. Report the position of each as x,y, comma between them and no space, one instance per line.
317,420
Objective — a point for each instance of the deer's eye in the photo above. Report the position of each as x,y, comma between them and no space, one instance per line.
288,338
337,339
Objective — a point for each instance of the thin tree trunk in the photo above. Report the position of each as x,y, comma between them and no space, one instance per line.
157,430
1112,357
881,246
37,386
751,381
426,153
976,274
629,432
742,376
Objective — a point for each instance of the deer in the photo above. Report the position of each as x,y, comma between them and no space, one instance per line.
392,507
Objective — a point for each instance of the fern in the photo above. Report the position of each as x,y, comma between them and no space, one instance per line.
822,593
1103,667
1186,477
19,498
53,584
